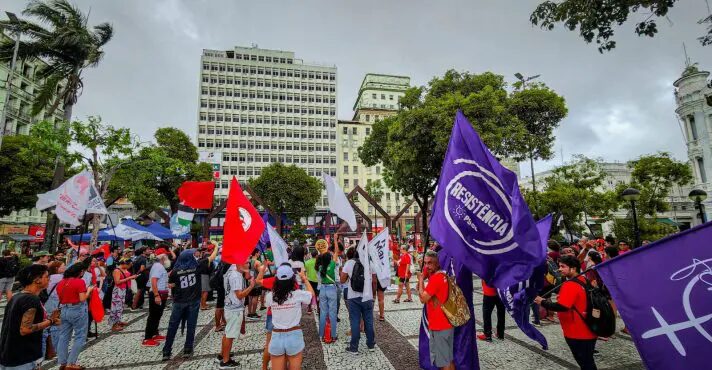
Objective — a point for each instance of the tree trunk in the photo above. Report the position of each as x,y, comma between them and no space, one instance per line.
536,201
425,232
52,224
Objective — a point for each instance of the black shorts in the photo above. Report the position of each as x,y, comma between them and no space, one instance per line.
379,287
220,301
404,279
256,292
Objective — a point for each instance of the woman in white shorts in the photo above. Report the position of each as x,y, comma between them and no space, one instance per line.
286,301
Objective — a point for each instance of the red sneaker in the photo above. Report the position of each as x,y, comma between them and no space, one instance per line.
484,337
149,343
158,338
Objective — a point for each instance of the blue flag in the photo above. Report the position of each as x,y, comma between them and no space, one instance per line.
663,292
479,215
517,299
464,346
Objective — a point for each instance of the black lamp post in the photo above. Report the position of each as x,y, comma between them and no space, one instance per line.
632,195
697,196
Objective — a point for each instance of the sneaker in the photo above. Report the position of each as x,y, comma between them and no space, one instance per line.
158,338
166,357
149,343
218,358
484,338
232,364
372,349
187,353
250,317
500,337
351,350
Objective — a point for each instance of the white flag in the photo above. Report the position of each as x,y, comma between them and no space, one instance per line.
96,202
380,258
70,198
363,258
279,246
338,203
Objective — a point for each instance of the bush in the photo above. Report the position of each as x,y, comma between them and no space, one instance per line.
649,229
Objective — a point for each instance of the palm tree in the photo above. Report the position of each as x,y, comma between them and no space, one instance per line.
57,32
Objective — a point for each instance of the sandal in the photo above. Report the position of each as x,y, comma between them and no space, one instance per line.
116,328
396,301
408,300
381,318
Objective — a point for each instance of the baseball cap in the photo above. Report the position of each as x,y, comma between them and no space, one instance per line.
284,272
161,251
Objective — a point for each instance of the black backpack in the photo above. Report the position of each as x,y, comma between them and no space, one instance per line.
218,278
10,267
600,317
357,277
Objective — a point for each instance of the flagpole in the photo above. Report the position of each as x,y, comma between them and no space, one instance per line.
113,231
81,233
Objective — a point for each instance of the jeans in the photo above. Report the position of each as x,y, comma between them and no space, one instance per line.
289,343
182,311
361,310
27,366
155,312
53,331
327,307
338,299
535,313
488,305
582,349
74,323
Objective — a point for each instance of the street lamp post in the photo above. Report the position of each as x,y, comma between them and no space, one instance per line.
10,75
632,195
697,196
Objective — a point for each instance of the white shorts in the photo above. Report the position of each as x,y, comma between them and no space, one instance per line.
234,323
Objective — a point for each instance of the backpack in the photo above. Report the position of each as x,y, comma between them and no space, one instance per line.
553,276
455,306
218,279
600,317
9,268
357,277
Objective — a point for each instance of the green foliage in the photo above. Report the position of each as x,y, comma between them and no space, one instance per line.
654,175
152,178
649,229
25,173
57,32
411,145
375,190
298,233
573,192
287,189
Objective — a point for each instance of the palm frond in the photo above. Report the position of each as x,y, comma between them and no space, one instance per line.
73,14
46,94
45,12
103,33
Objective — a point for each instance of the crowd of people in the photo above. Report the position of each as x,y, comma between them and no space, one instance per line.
51,314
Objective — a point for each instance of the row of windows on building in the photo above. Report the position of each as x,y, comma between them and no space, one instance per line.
383,96
266,132
275,120
268,84
256,171
267,71
354,130
355,170
252,107
267,95
266,145
276,158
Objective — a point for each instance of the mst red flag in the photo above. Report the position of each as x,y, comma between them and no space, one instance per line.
197,194
243,226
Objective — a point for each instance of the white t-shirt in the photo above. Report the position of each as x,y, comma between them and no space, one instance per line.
158,271
288,314
349,269
233,281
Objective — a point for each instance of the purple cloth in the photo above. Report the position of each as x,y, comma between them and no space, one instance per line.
264,239
464,346
663,292
517,299
479,215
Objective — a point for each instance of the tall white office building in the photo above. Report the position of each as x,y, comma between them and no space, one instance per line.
259,106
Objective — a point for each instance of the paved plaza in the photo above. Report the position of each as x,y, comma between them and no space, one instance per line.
396,338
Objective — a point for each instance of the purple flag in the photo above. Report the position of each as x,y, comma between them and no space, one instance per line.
517,299
464,346
264,239
663,292
479,215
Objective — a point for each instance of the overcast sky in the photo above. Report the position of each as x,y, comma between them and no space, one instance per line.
620,103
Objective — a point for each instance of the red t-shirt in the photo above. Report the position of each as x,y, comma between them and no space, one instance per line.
572,295
488,290
403,268
68,290
437,288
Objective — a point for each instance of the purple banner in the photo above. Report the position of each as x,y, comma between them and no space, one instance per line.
479,215
264,239
663,292
464,346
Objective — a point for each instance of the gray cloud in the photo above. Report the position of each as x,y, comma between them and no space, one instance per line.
621,103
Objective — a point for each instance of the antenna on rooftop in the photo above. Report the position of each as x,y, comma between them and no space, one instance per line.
687,59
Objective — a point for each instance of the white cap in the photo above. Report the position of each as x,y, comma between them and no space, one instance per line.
284,272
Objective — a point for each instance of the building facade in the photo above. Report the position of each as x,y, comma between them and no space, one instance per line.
693,96
260,106
19,118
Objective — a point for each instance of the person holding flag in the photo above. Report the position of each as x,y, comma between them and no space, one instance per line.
357,273
433,296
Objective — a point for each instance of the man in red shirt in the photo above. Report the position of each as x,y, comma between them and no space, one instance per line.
404,274
571,308
490,300
433,296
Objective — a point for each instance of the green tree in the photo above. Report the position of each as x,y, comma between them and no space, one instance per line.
152,178
596,19
298,233
649,229
540,110
375,190
287,189
57,32
655,175
411,145
25,174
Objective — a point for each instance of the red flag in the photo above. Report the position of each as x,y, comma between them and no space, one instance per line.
197,194
243,226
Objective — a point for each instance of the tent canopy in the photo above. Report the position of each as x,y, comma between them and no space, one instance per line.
156,229
104,236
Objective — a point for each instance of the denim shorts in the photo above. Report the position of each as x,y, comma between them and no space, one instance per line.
6,284
268,324
289,343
